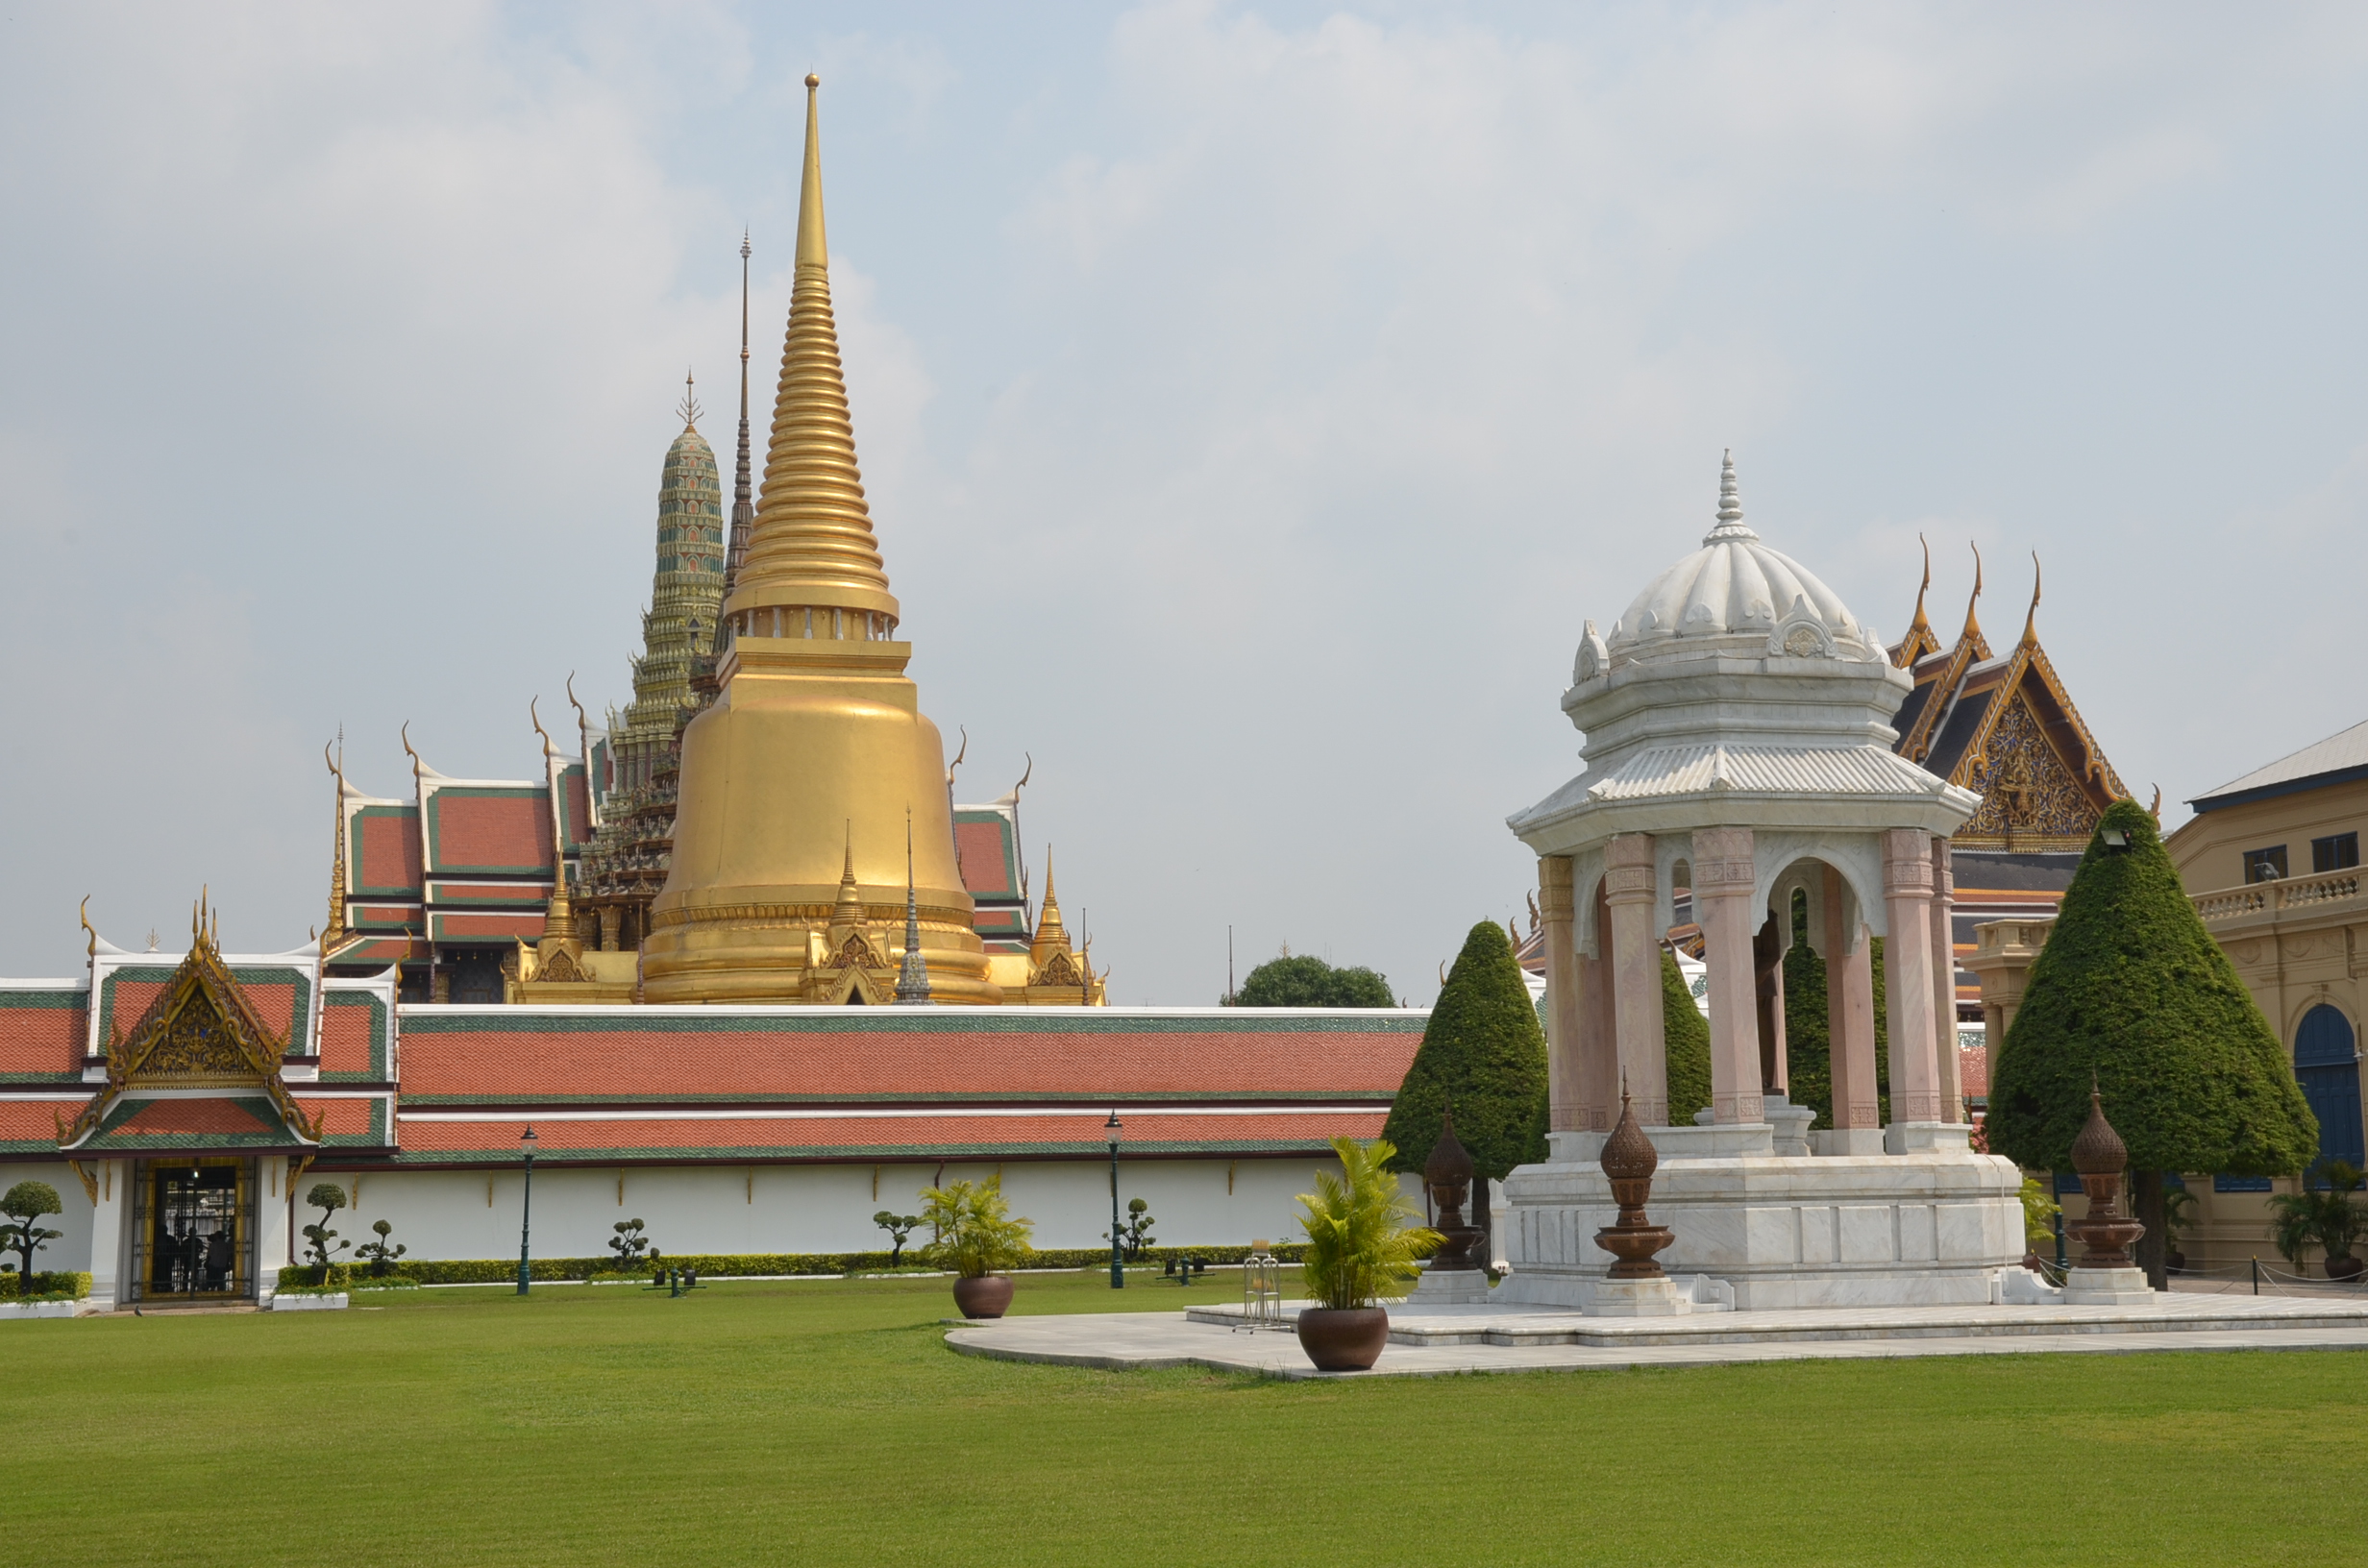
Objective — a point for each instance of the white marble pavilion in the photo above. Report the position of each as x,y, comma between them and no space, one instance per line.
1739,745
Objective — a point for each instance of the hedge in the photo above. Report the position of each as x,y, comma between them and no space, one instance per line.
58,1285
718,1265
1809,1047
1685,1044
1483,1051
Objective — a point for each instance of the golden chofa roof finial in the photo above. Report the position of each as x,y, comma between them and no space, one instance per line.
811,547
1973,626
334,935
1919,629
2031,617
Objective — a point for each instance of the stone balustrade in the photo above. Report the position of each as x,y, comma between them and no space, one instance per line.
2316,894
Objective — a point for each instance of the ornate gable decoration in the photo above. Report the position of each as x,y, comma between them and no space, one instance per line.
2029,799
201,1032
2042,777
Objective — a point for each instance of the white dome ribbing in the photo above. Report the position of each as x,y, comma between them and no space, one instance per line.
1735,596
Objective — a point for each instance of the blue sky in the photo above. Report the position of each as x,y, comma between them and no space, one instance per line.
1254,401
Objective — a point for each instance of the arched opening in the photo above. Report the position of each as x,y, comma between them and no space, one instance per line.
2327,1065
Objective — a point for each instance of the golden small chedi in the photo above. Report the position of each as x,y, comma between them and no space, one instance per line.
790,828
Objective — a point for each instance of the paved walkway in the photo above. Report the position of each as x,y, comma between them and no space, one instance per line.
1442,1340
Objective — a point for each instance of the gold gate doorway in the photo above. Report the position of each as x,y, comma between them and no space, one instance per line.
193,1230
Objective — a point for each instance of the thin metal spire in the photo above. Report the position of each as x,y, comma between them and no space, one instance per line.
743,500
913,978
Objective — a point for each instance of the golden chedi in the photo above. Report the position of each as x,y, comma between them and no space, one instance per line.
790,823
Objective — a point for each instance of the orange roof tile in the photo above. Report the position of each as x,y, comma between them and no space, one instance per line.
448,1058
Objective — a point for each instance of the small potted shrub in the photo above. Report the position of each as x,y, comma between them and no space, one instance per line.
1361,1249
976,1236
2322,1216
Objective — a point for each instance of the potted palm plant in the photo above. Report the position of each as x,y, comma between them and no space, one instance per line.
1363,1246
2323,1214
976,1236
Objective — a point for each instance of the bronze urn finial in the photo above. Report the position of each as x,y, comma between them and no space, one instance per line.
2099,1155
1448,1174
1629,1161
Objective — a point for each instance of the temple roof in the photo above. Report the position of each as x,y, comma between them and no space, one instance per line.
2004,727
200,1032
2337,759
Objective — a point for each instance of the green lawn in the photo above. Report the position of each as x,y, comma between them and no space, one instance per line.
827,1422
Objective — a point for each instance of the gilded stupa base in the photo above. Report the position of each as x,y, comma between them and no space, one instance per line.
831,729
776,947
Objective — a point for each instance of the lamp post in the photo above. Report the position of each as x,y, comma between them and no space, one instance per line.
526,1206
1118,1271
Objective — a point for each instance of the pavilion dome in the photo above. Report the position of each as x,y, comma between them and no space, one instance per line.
1734,596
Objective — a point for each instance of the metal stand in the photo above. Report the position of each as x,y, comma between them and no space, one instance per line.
1262,1290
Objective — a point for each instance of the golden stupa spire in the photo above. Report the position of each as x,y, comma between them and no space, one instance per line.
1051,937
560,919
813,567
847,914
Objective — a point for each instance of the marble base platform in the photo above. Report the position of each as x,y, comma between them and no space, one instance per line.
1498,1339
1639,1298
1450,1287
1932,1226
1450,1290
2106,1288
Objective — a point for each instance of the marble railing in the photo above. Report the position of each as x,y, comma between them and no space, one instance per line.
2295,893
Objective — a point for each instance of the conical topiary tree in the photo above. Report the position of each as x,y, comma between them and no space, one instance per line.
2132,990
1685,1036
1484,1048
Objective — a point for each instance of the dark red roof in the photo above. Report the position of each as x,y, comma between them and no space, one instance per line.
964,1053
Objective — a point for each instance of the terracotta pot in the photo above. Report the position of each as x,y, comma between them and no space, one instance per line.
1344,1339
2344,1268
986,1297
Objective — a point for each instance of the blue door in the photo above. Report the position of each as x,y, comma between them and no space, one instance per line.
2328,1065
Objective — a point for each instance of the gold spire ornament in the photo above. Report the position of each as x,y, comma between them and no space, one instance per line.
1972,631
335,936
815,724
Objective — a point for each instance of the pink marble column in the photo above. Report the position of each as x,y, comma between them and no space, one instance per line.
1850,1010
1598,1029
1724,876
1944,986
1635,959
1563,999
1908,973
